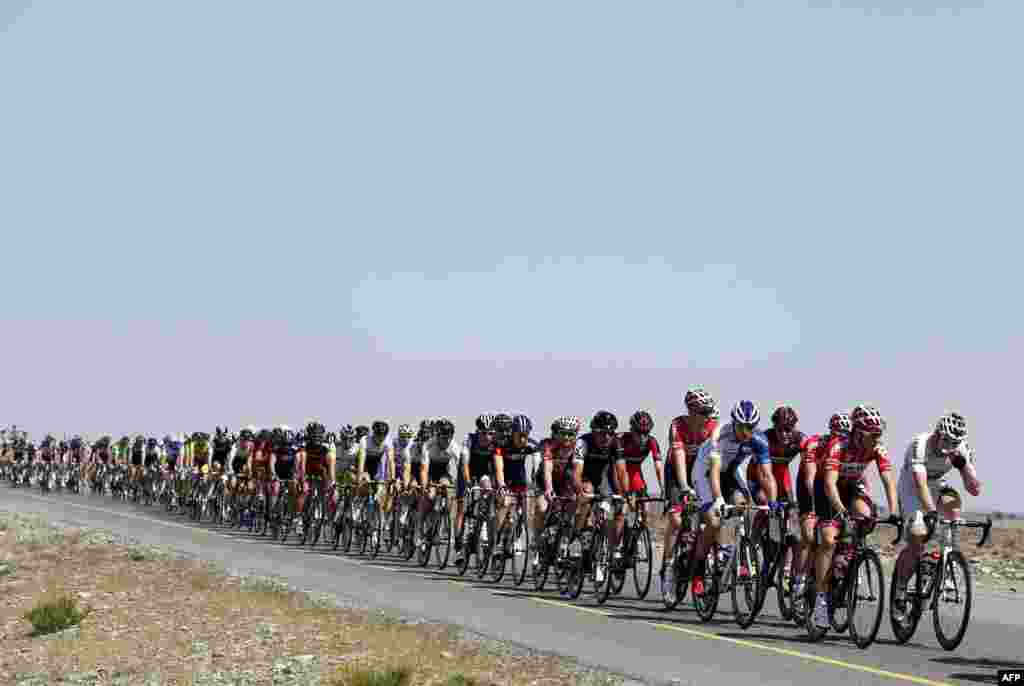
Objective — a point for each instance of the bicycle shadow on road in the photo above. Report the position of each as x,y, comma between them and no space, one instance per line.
989,663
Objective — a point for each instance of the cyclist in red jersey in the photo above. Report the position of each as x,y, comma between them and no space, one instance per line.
813,452
842,486
685,435
634,448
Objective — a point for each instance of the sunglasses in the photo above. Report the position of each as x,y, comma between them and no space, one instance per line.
949,443
746,427
606,434
565,435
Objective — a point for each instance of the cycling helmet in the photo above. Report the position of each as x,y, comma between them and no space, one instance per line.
716,413
485,423
444,428
521,424
746,412
839,424
426,428
200,436
139,440
347,433
641,422
698,401
502,423
604,421
151,442
405,432
76,442
380,428
952,427
247,434
566,424
315,432
868,420
362,431
785,417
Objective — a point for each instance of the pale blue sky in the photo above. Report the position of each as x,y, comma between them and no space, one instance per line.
224,211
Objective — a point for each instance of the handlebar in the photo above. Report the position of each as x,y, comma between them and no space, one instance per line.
933,523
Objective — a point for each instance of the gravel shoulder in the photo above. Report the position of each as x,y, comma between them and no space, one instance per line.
158,616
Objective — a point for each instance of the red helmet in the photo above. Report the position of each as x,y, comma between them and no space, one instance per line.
698,401
868,419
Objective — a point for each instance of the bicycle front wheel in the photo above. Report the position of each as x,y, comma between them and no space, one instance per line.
643,562
954,591
747,579
865,600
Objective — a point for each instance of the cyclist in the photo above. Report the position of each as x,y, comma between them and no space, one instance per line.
347,455
378,455
719,474
223,451
595,454
438,457
686,434
151,458
814,450
78,456
283,463
924,491
511,462
138,455
402,465
315,461
636,445
555,475
842,486
477,465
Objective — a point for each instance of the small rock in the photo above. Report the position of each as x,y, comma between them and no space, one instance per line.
446,655
83,595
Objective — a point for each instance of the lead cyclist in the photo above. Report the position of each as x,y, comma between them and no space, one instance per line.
925,493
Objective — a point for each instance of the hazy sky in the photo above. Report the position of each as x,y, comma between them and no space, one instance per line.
227,211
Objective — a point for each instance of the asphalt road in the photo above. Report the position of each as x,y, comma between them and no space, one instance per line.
626,635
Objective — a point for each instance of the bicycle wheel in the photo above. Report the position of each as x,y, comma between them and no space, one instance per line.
484,547
365,529
468,545
443,544
642,561
579,546
747,580
504,551
953,587
547,548
375,531
428,537
318,522
601,566
783,581
865,598
520,550
706,604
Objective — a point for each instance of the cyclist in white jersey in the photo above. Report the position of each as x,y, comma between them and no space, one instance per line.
924,491
402,449
377,459
439,458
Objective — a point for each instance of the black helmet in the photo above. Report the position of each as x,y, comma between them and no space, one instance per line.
362,431
641,422
315,432
604,421
485,423
444,428
380,427
502,423
785,416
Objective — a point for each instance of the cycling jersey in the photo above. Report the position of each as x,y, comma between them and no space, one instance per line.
782,451
200,451
479,456
284,459
514,463
152,457
733,454
222,452
374,452
173,451
814,450
440,460
680,437
560,456
634,451
240,457
922,458
851,462
347,458
137,452
597,461
403,455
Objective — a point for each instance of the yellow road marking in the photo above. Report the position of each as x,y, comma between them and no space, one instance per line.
760,646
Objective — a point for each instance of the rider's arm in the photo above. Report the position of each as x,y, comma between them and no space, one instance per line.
659,467
677,454
578,458
332,465
361,459
885,474
389,456
499,468
964,462
621,478
715,475
916,457
424,466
